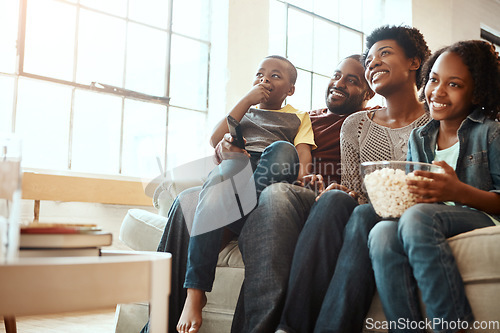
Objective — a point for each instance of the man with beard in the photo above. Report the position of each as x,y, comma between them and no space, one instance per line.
347,92
267,240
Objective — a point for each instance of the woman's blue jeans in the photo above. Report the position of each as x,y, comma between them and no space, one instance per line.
413,254
278,163
319,279
351,289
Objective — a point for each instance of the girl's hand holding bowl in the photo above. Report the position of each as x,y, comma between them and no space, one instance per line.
445,185
394,186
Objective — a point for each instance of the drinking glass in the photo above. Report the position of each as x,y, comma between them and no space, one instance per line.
10,196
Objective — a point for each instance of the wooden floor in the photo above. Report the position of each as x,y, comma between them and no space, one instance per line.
102,321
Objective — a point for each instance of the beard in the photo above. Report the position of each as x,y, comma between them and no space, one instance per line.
350,105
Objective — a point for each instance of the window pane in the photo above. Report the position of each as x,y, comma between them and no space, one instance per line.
189,73
50,34
327,8
304,4
144,133
9,11
320,85
190,18
6,103
187,137
277,28
301,99
96,133
146,59
350,13
350,43
101,49
115,7
42,123
152,12
300,30
325,53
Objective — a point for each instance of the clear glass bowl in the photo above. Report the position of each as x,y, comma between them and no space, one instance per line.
385,183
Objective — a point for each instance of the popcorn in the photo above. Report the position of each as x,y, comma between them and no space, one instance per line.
388,191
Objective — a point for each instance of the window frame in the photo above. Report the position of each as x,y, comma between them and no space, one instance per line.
103,87
310,71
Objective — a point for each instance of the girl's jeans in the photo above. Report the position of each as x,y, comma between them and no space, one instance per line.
219,208
412,254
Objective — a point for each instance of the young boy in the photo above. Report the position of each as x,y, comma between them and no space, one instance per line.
277,139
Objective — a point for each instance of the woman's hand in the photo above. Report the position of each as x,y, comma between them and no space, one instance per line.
335,186
225,148
441,187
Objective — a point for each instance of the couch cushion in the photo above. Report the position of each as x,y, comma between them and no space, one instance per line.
142,230
477,253
230,256
226,289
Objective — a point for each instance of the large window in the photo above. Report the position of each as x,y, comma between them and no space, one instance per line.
315,35
104,86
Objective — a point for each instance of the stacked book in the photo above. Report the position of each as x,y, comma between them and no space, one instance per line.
62,240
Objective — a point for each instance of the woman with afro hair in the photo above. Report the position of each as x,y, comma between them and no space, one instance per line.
331,284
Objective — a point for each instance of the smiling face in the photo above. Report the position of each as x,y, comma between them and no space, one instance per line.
276,73
449,91
347,91
387,68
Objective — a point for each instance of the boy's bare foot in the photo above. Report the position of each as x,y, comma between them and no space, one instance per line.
190,320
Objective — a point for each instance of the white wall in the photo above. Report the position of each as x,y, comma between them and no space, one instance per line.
218,63
444,22
239,42
247,45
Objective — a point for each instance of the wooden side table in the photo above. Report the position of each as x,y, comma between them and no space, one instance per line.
37,286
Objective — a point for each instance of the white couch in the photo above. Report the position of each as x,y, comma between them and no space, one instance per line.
477,254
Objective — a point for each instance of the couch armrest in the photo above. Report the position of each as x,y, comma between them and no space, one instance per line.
142,230
179,179
164,196
167,191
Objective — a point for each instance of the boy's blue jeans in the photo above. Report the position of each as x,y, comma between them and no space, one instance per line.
413,254
278,163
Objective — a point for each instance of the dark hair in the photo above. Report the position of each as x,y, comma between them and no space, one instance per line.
410,39
483,63
291,68
360,59
357,57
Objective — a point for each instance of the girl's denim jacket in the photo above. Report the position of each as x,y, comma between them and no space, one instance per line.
478,161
